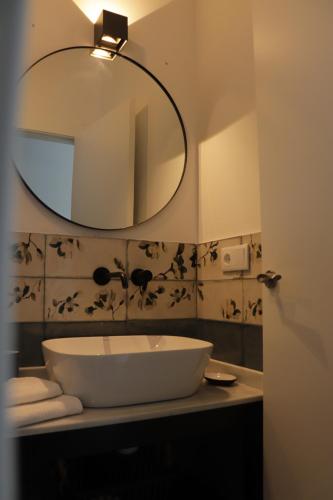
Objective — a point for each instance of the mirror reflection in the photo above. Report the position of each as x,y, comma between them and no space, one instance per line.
99,142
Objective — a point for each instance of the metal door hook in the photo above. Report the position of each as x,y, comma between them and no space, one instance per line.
269,278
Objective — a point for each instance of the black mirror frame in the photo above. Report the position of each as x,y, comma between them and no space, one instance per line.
149,73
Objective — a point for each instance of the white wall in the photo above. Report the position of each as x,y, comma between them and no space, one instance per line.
229,202
103,174
294,55
52,25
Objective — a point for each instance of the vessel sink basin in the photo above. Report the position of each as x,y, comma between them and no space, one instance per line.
125,370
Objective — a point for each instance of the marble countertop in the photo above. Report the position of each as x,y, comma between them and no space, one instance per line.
248,389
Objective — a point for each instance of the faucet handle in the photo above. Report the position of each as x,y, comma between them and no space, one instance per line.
141,277
101,276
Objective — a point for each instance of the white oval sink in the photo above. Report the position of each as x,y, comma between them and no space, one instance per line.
124,370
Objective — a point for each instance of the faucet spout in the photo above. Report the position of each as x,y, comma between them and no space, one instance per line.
122,276
102,276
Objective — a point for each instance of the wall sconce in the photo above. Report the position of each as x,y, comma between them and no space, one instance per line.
111,32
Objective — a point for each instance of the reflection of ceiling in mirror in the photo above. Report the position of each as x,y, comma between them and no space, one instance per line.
91,87
129,151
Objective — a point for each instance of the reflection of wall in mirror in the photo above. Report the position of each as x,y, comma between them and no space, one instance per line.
77,95
141,165
159,154
45,162
103,178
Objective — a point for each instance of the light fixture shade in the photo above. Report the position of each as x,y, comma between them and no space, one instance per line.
103,54
111,30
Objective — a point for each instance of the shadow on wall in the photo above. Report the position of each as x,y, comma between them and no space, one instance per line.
222,69
229,199
170,30
219,36
226,80
288,311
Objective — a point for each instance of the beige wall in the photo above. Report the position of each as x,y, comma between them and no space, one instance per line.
52,25
207,64
229,203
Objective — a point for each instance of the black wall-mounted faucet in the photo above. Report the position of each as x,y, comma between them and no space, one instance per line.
102,276
141,277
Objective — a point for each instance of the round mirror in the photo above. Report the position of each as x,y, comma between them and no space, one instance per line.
100,142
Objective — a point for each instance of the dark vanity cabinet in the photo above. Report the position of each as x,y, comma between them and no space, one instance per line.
212,454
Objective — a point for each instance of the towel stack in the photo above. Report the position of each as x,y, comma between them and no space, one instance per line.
32,400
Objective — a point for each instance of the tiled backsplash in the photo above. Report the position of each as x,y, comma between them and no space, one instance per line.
233,296
52,292
52,279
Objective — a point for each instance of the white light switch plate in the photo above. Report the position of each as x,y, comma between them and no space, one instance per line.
235,258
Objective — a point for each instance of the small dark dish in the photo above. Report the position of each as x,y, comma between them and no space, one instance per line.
220,378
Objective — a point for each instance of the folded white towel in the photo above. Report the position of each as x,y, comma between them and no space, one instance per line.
23,390
32,413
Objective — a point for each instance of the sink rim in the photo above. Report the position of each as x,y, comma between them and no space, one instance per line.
193,344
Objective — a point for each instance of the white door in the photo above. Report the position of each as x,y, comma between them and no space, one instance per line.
294,81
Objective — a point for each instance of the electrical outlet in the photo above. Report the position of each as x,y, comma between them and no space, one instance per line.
235,258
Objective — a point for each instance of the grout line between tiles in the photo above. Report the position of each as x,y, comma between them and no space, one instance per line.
128,277
26,276
243,303
73,278
243,345
225,280
245,323
196,282
44,280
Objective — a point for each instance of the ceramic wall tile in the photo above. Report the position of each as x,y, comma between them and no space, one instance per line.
253,347
25,299
28,341
220,300
68,256
253,310
166,300
27,254
52,284
167,261
226,339
254,241
209,260
69,262
83,300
